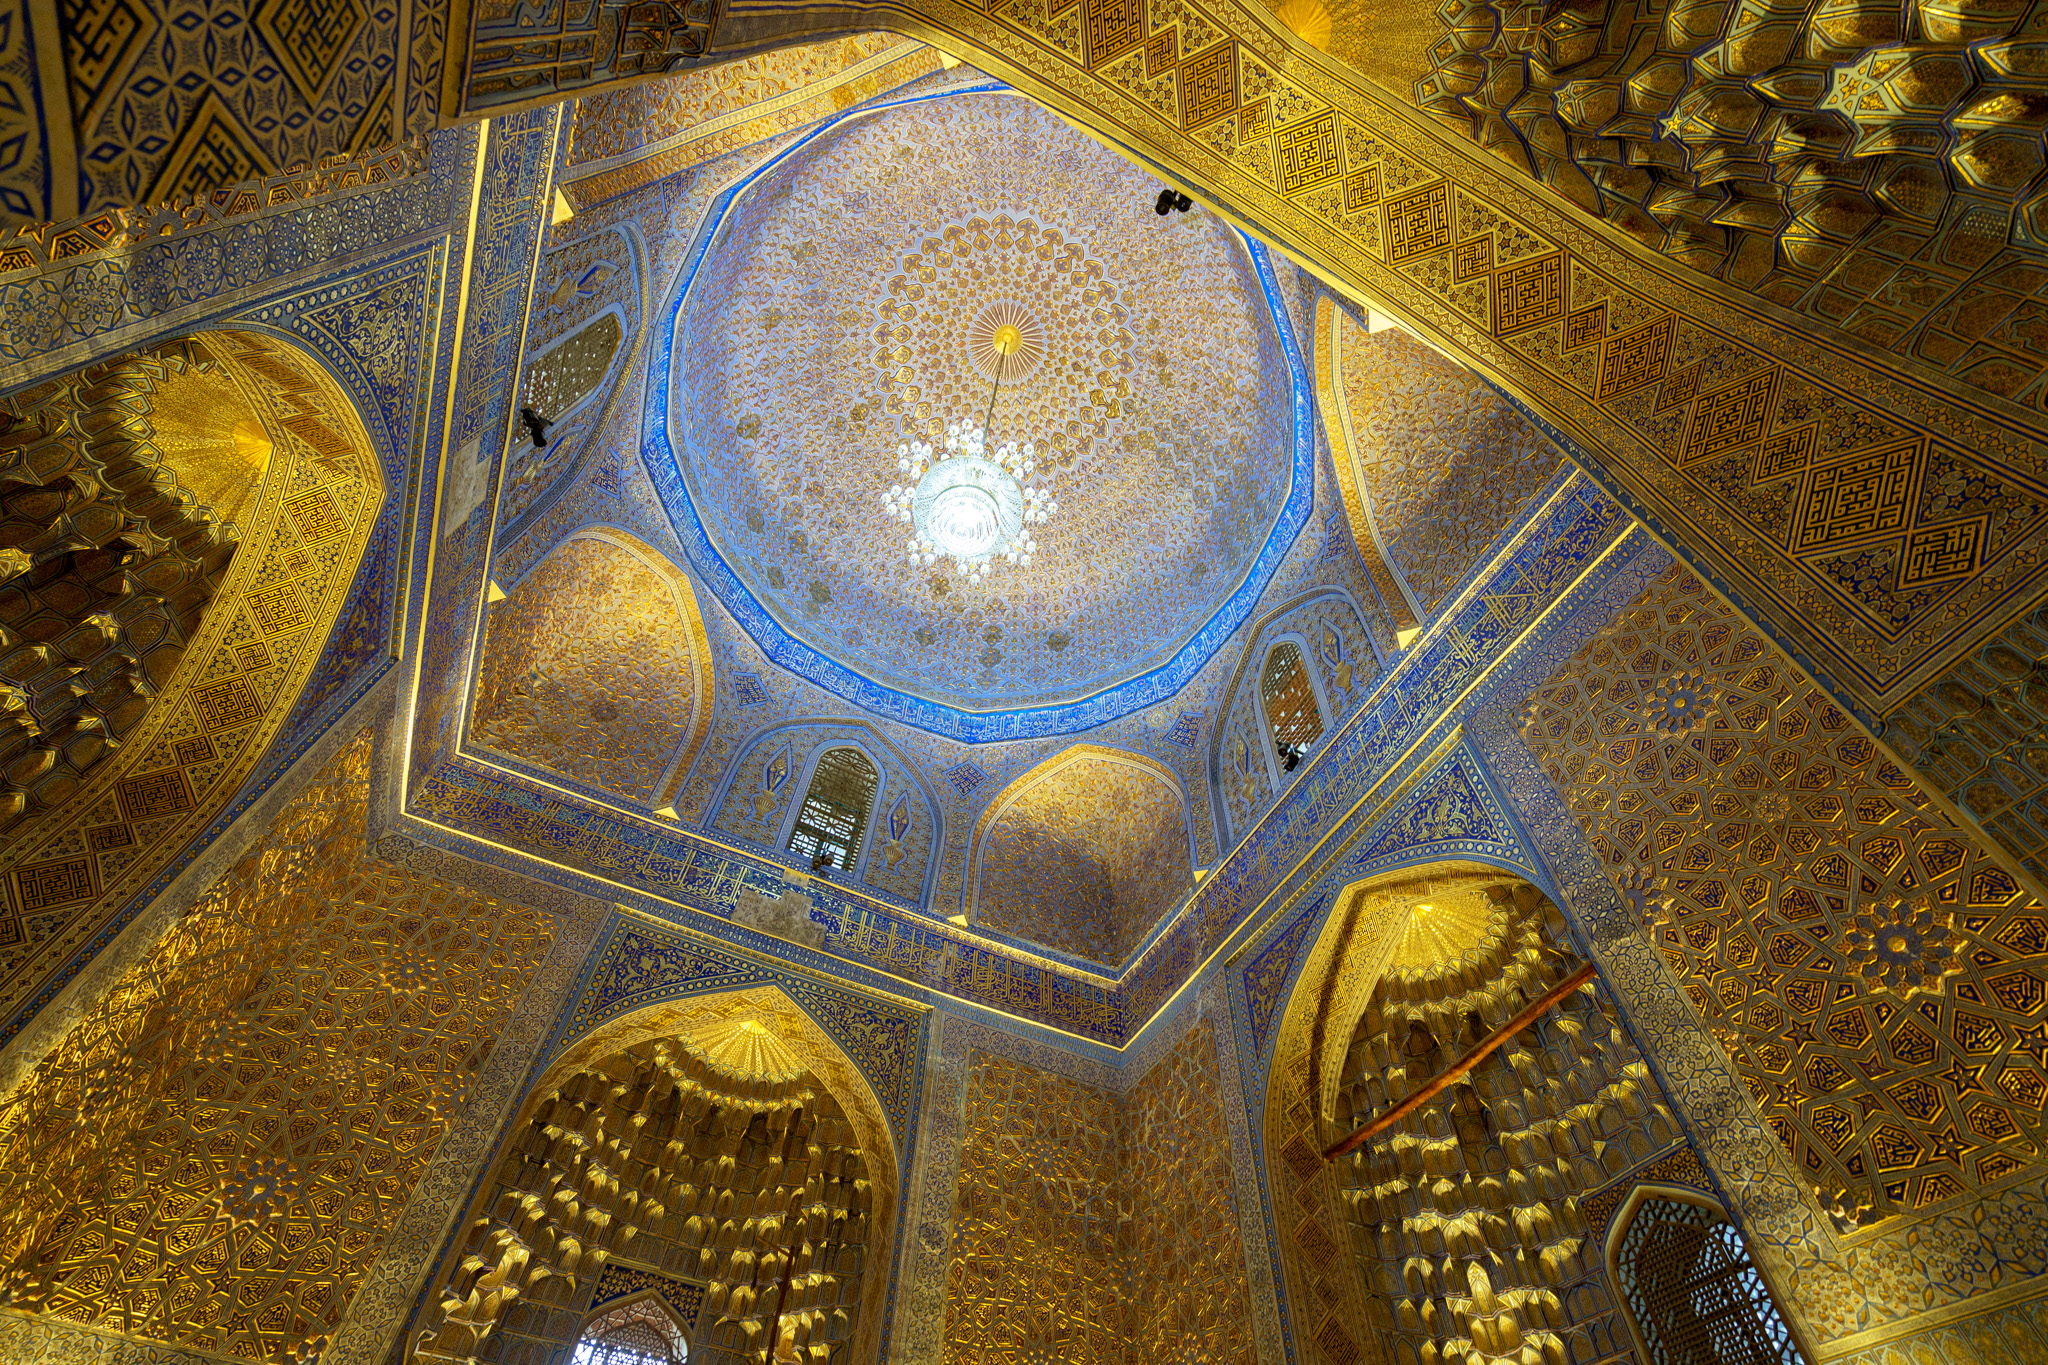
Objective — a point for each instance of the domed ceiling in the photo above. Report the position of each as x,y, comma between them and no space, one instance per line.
860,295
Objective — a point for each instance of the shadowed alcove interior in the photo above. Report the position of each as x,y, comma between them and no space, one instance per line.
724,1142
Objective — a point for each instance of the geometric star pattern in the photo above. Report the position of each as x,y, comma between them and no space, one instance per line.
1865,964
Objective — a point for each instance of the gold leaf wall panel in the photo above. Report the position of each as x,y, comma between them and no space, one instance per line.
596,666
1434,464
1094,1227
215,1155
1458,1233
1874,975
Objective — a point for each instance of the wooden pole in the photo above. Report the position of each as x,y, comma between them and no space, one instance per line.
1432,1088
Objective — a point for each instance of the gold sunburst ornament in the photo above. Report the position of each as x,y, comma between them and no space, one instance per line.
1005,341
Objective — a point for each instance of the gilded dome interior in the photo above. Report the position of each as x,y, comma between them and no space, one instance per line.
851,302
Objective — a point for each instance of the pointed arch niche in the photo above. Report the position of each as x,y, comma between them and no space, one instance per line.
722,1143
185,526
596,666
1432,462
1084,853
1459,1224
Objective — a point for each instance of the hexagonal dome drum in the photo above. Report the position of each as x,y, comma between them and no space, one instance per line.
860,295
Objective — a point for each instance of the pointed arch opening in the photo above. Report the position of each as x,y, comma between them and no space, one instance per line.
1291,706
1470,1196
637,1330
831,821
1689,1289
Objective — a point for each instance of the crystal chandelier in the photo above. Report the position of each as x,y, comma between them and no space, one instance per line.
966,502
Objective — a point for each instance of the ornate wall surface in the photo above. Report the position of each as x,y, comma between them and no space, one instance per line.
1829,974
226,621
1863,973
1461,1228
641,133
1434,463
144,104
1591,332
596,668
1085,852
218,1153
1093,1225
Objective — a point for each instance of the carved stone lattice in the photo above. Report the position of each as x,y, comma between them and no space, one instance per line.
715,1156
107,562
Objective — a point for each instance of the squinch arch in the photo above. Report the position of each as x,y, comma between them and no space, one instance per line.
724,1143
1083,853
596,665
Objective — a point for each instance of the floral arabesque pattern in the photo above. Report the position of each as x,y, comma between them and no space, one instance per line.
1443,462
1085,856
215,1155
595,666
1164,402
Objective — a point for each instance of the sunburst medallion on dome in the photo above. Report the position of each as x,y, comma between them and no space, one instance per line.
842,334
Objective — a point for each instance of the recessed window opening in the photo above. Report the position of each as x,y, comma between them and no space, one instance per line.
634,1344
834,814
561,378
1290,701
1695,1295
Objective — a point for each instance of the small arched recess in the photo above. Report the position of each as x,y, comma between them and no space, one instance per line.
758,797
1329,632
596,666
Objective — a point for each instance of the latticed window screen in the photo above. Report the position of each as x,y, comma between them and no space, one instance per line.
1695,1295
560,379
1290,698
633,1344
834,814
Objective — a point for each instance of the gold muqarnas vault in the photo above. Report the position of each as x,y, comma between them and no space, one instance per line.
691,682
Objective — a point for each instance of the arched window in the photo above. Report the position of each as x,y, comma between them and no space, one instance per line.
1693,1294
567,373
834,814
640,1331
1293,713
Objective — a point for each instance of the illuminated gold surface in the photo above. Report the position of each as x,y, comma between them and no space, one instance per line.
744,1050
1005,337
1443,929
215,1155
736,1174
210,435
1733,848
